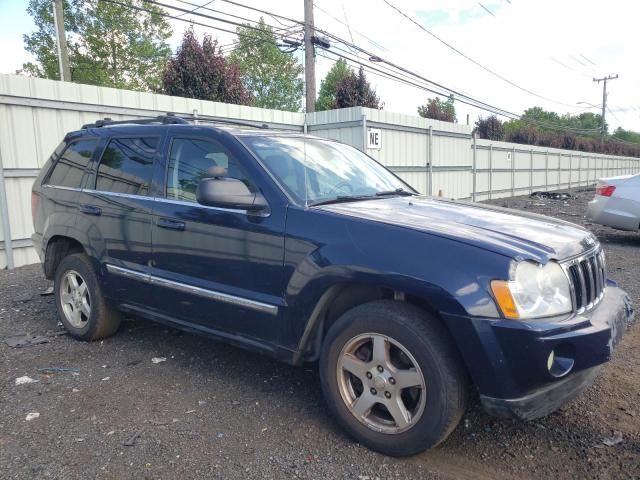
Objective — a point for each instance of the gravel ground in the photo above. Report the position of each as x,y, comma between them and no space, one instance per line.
211,410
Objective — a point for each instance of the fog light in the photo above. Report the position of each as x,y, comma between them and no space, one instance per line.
561,360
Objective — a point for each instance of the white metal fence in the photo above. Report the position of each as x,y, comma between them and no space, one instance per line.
432,156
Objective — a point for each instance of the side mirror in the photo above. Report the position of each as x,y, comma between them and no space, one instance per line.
223,192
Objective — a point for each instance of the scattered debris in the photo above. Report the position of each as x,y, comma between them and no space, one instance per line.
613,440
20,340
551,195
59,369
132,441
48,291
159,359
25,380
57,333
569,214
31,416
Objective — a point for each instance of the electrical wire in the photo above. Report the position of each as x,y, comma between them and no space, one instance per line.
445,91
197,7
475,62
189,21
372,42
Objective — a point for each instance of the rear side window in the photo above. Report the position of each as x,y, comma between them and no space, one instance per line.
126,165
71,166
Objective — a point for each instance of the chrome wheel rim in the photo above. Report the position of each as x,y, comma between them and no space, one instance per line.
75,299
381,383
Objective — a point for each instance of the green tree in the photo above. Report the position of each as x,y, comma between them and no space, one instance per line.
436,109
327,94
354,90
109,44
489,128
551,121
627,135
199,70
272,76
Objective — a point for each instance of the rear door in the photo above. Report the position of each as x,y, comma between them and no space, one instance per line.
116,208
61,187
218,267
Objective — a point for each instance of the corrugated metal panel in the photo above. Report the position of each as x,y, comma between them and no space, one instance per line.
35,114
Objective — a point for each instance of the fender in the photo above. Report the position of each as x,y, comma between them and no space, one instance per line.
451,277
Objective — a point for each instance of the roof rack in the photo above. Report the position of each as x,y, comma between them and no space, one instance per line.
228,121
172,118
167,119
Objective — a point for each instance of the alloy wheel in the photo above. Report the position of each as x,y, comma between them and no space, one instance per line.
381,383
75,299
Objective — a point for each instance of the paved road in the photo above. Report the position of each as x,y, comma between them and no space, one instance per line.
211,410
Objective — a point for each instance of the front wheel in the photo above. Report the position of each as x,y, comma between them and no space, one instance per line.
393,378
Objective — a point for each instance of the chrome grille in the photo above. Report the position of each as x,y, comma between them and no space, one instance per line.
587,277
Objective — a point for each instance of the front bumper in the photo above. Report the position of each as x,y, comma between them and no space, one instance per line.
508,359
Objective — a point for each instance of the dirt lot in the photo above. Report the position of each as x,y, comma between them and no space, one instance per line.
211,410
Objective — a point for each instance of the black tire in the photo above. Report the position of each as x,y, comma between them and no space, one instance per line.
426,339
103,320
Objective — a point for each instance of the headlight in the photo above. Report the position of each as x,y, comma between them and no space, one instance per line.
534,291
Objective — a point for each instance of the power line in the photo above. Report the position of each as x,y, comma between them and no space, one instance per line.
487,69
190,21
371,41
197,7
486,9
386,73
460,97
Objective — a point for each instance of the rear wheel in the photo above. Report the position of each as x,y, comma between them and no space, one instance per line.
81,306
393,378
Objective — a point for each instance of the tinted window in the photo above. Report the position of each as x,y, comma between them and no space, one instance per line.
71,166
126,165
188,164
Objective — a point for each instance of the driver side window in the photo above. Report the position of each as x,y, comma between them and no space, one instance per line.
189,161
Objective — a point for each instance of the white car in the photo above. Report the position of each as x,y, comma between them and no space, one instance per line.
617,203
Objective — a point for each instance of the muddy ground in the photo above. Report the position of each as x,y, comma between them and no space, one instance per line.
213,411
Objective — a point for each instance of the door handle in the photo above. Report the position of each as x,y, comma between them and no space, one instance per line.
171,224
90,210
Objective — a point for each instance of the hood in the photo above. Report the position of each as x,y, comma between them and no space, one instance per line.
508,232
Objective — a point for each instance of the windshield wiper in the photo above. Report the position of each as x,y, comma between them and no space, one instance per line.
342,199
398,191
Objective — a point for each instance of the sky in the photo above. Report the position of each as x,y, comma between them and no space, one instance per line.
552,49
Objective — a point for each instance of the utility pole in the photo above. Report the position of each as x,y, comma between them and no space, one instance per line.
61,41
309,57
604,100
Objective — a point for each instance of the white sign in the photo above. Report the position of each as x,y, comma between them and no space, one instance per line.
374,138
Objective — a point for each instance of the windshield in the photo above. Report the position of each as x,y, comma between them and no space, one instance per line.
317,171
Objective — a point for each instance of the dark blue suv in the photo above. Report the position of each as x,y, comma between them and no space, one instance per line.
308,250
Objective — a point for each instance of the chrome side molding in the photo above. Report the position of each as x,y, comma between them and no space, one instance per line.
193,290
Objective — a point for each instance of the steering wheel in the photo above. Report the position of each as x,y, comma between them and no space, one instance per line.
338,186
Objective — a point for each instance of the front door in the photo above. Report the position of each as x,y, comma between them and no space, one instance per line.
216,267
